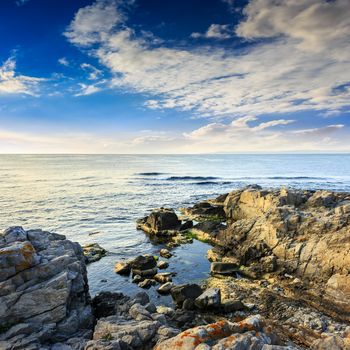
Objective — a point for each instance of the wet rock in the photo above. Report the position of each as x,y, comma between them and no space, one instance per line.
141,298
224,268
143,262
185,291
137,279
188,304
168,311
163,277
122,268
162,265
165,253
210,298
147,283
93,252
165,288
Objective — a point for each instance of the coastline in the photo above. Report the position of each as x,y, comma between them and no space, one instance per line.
304,298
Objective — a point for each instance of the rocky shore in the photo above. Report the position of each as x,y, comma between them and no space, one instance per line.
280,279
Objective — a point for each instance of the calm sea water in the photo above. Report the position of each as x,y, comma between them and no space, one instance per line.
105,194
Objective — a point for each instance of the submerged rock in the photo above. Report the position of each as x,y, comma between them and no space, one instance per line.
93,252
44,294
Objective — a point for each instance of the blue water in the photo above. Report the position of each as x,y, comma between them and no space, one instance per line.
80,194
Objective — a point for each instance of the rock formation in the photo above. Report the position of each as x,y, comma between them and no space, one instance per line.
44,295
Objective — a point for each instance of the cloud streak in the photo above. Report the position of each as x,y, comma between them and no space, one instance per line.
12,83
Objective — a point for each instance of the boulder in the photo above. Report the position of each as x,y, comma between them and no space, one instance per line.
163,277
93,252
185,291
44,294
165,288
223,268
122,268
159,221
143,262
209,299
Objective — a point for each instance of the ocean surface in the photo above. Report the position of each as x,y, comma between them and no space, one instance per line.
97,198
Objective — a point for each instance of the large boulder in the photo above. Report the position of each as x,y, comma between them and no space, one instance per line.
44,294
159,221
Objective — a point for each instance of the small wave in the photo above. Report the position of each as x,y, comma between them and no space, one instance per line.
195,178
295,178
150,174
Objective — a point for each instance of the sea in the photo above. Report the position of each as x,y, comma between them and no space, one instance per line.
98,198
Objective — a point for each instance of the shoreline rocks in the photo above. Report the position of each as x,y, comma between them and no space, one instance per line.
44,293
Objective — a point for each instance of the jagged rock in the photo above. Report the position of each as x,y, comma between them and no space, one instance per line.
210,298
303,229
104,304
165,253
331,343
122,268
44,294
204,211
247,334
93,252
159,221
185,291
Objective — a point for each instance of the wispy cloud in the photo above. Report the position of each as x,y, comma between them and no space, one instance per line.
216,31
63,61
211,82
12,83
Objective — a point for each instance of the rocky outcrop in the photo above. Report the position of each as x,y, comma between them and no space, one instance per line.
128,323
205,211
159,221
250,333
163,225
44,296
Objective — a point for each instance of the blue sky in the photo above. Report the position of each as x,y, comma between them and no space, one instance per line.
140,76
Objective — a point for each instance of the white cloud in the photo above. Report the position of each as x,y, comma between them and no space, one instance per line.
317,24
63,61
94,73
12,83
216,31
240,136
94,22
86,89
323,131
293,72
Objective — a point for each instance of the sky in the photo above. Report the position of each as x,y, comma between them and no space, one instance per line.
185,76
